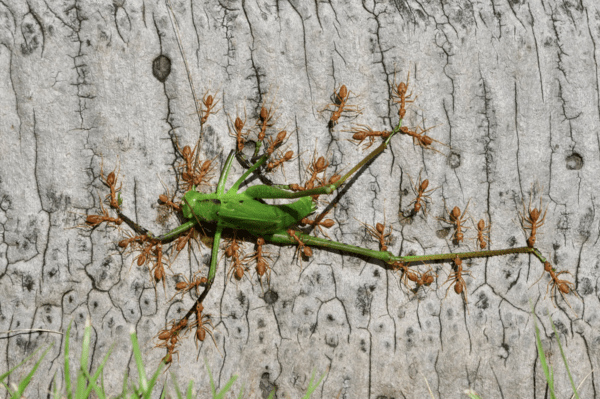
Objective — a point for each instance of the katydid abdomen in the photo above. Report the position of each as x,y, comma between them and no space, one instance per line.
239,211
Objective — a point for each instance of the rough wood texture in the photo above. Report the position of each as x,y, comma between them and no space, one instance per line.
513,86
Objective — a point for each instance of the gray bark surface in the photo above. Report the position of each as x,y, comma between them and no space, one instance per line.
513,87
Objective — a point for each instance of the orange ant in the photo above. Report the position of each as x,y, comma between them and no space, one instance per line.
363,132
532,221
420,189
240,135
318,222
274,164
457,219
563,286
95,220
426,279
275,142
111,182
262,265
201,323
421,139
132,239
186,285
483,234
210,103
158,268
400,96
407,274
264,119
302,248
340,104
456,278
194,175
237,268
378,233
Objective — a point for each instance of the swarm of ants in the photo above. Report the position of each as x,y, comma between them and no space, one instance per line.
151,251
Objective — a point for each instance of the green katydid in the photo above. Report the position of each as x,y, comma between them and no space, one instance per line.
246,211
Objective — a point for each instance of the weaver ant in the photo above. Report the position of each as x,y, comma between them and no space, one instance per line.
423,195
456,278
483,234
400,97
532,221
111,182
363,132
457,219
340,104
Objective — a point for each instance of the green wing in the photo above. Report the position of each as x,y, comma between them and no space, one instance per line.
258,218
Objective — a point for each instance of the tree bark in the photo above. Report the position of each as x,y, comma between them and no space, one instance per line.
511,89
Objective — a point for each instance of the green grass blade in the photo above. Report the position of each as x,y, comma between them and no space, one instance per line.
271,394
55,391
548,373
67,368
124,390
226,388
177,390
3,376
23,384
163,393
190,389
312,388
91,384
83,362
152,382
241,395
212,382
472,394
98,373
562,353
137,354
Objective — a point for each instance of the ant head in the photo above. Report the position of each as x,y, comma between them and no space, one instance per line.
547,266
427,279
531,242
402,88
